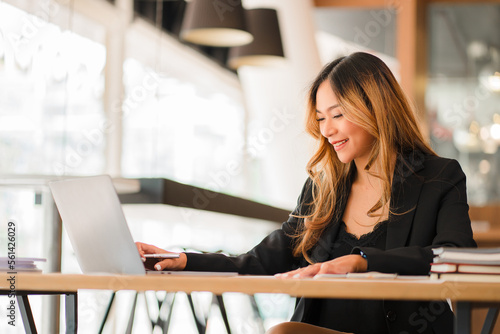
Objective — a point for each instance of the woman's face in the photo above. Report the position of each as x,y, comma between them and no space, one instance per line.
350,141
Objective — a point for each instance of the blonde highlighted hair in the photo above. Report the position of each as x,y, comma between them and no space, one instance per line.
371,98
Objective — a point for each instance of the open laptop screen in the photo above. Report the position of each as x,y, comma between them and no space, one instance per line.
93,218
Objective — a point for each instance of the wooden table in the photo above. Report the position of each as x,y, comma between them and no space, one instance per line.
462,293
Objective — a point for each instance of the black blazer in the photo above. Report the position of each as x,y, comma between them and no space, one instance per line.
429,209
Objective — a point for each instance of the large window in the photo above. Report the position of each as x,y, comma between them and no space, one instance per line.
175,125
176,129
50,97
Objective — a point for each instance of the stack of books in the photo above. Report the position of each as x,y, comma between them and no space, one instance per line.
466,264
20,264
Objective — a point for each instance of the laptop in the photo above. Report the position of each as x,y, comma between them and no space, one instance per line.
94,221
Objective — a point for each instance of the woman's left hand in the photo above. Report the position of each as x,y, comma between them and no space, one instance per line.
341,265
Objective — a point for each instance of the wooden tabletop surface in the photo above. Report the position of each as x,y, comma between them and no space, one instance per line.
399,288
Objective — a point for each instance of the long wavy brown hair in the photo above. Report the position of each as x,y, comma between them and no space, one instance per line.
371,98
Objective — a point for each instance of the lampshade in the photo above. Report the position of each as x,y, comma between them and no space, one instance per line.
218,23
266,48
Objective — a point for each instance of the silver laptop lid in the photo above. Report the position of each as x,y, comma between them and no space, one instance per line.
93,218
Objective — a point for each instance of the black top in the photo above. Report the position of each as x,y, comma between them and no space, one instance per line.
338,313
428,210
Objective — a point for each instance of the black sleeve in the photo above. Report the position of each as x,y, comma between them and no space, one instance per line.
442,214
413,260
272,255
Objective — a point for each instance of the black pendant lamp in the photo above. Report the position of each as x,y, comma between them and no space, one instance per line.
266,48
219,23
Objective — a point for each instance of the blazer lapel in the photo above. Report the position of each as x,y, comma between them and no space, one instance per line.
406,188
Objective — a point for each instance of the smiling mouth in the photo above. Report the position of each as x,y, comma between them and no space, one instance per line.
340,143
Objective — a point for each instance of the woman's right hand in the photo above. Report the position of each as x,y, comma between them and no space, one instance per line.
166,264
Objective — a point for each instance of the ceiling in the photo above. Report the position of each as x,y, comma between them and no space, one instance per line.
451,30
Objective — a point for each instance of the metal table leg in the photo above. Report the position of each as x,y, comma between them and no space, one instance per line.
463,318
201,324
222,307
489,322
26,314
130,324
71,304
106,313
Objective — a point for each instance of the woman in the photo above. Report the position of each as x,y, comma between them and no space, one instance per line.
377,199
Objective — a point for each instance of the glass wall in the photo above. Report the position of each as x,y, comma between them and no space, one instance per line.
51,87
463,92
52,117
